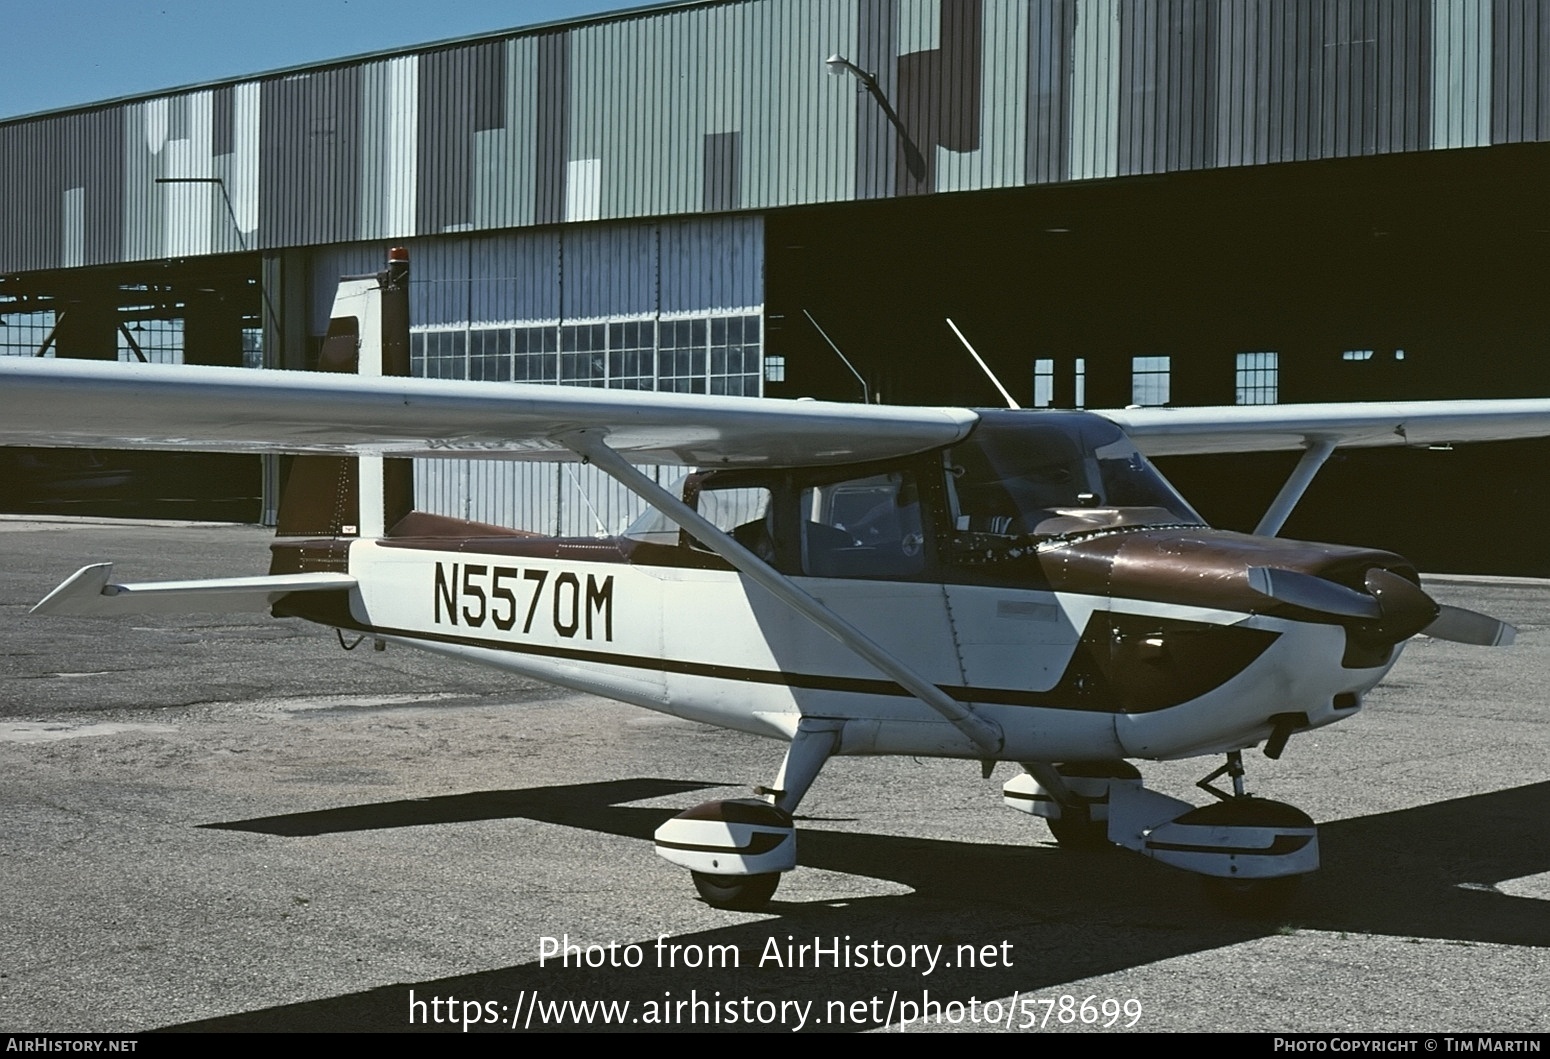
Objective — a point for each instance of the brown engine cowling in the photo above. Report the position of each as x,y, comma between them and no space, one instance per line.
1374,595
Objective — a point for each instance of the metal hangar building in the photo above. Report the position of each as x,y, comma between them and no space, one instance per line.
1155,201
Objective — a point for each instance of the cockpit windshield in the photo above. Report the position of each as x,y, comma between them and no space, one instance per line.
1023,477
1020,482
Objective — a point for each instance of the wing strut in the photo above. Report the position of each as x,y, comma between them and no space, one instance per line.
589,444
1315,452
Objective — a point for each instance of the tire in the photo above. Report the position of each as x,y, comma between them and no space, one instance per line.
740,893
1075,829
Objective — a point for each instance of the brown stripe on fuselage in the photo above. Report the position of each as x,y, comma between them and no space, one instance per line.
1189,567
440,533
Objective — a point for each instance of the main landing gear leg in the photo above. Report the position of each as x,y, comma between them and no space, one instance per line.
1072,797
736,849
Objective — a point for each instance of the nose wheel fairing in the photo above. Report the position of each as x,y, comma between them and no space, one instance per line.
1239,838
736,849
1245,838
732,837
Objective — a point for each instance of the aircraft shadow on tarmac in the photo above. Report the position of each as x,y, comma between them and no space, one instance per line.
1426,872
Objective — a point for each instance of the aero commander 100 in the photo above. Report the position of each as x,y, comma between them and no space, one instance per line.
1014,586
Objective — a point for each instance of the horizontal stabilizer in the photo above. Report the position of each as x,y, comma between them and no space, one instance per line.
87,592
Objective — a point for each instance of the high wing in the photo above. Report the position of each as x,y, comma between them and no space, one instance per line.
82,404
1265,428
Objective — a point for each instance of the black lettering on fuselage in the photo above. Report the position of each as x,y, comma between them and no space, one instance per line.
445,595
471,572
600,600
567,604
532,608
499,592
477,595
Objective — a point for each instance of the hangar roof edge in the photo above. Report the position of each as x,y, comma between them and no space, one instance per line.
662,6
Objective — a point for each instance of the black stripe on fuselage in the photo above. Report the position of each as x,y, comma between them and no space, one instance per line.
1094,681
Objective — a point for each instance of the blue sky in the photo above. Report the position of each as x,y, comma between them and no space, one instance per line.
59,53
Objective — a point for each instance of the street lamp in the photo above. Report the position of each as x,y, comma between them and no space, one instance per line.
914,161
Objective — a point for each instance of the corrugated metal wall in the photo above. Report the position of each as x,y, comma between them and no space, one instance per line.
726,106
693,267
560,499
696,265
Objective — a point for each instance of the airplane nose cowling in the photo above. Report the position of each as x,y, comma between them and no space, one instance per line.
1203,567
1391,609
1374,595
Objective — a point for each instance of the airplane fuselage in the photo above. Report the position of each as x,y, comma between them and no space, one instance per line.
1067,674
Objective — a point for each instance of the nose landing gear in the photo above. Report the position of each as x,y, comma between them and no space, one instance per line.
1253,851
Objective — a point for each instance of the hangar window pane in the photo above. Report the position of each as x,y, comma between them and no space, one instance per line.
1149,380
734,356
1081,382
720,355
1356,354
1043,383
584,355
161,341
536,352
632,355
439,354
23,333
252,347
1258,378
489,355
678,370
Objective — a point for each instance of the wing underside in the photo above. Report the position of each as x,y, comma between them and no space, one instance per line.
82,404
140,406
1265,428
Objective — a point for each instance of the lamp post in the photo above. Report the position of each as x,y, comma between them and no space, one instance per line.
914,161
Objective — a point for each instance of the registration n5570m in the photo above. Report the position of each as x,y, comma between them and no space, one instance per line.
506,597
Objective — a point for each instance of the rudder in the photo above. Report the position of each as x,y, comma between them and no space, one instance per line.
327,502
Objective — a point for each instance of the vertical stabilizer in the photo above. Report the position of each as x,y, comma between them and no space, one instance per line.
329,501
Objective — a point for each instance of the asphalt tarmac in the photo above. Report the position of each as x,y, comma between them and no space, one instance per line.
223,823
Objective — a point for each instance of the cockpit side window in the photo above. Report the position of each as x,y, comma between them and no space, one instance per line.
863,527
746,513
743,508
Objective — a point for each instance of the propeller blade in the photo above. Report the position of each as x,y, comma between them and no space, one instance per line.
1313,593
1471,627
1391,610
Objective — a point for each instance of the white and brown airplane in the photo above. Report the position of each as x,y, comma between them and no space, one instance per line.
1014,586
